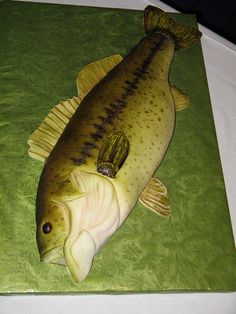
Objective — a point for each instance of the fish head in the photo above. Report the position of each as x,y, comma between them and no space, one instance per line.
52,230
73,226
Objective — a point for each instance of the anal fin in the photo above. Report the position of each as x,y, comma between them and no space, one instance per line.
155,198
180,98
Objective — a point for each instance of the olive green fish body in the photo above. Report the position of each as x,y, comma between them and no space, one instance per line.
134,97
78,208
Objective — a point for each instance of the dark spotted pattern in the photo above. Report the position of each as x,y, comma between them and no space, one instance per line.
117,107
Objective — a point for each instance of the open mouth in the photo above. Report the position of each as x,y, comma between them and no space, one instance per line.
55,256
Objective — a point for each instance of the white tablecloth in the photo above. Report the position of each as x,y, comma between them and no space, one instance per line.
220,63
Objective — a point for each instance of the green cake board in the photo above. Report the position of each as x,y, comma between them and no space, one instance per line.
43,47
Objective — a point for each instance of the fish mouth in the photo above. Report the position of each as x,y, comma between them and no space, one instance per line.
79,253
54,256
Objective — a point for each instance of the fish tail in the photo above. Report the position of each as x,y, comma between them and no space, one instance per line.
156,20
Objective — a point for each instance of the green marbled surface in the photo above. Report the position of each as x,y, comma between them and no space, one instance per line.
42,49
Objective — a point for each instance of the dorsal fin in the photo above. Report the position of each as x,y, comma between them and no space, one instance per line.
44,138
92,73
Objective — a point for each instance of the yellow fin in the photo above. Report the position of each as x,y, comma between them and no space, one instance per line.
180,98
45,137
155,197
92,73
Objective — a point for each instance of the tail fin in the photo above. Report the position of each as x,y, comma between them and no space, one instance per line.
157,20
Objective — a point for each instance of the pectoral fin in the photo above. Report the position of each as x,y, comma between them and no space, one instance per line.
155,197
180,98
112,154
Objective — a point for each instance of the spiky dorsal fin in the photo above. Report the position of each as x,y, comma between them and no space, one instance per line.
45,137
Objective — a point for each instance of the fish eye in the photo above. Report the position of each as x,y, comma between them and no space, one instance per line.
47,227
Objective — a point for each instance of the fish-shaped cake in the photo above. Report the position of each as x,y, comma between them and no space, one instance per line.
122,120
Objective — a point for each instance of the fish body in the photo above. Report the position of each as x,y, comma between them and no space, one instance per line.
78,208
